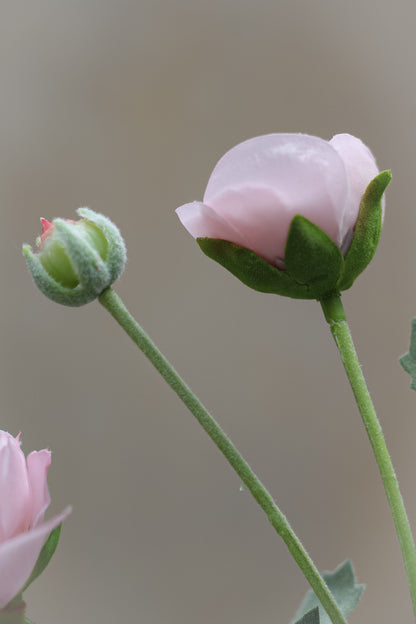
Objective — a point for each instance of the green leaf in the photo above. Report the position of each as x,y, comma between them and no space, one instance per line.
311,617
312,258
45,555
253,270
367,230
408,360
342,586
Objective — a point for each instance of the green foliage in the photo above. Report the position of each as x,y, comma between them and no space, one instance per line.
311,617
408,360
342,586
45,555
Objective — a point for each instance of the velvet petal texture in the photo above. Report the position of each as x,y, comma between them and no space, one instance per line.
24,498
360,168
38,463
257,188
19,555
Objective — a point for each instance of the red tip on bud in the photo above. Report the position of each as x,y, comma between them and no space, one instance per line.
46,225
47,229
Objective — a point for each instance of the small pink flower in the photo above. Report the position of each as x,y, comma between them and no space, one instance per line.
257,188
24,498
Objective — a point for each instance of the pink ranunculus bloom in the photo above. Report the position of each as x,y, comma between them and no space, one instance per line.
258,186
24,498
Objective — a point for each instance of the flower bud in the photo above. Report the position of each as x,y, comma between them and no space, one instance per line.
76,260
292,214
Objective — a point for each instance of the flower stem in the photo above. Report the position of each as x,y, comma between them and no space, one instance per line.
110,300
335,315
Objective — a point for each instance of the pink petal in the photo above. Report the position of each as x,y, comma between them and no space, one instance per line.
46,225
14,488
19,555
47,229
361,168
201,221
261,184
38,463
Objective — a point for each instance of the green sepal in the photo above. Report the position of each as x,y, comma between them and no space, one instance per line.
45,556
307,245
253,270
408,360
311,617
341,583
51,288
89,266
312,258
367,230
116,255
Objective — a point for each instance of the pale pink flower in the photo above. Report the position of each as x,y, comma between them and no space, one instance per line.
257,188
24,498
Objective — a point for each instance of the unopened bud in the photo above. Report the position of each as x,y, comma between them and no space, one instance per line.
76,260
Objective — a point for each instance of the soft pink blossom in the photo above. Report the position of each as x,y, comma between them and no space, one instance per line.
258,186
24,498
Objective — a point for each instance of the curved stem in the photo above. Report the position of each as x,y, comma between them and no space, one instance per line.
335,315
110,300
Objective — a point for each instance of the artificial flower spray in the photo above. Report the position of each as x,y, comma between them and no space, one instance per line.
289,214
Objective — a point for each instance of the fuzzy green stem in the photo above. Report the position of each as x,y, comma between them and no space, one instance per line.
110,300
335,315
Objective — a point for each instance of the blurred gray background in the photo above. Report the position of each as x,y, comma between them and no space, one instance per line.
126,107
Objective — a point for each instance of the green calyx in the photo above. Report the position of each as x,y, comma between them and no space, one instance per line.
315,267
76,261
